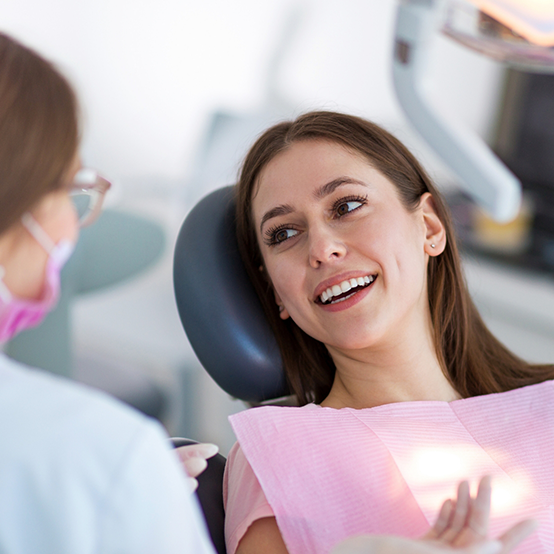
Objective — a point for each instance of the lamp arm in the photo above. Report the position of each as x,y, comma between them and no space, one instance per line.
480,172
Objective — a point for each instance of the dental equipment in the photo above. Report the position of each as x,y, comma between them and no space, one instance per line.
517,32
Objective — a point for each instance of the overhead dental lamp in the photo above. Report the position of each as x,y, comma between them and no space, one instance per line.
519,33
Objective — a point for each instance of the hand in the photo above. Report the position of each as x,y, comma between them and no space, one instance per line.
380,544
465,522
461,528
193,459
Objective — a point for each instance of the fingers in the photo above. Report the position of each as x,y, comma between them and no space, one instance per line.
466,521
376,544
193,457
201,450
442,521
194,466
516,534
479,516
459,515
464,524
488,547
192,483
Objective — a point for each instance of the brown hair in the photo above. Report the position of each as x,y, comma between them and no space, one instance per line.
471,357
39,132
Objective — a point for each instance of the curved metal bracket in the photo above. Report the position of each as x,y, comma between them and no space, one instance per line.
480,172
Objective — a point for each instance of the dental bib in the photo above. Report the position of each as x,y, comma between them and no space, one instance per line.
330,474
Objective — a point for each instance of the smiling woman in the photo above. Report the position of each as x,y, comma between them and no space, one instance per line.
352,253
355,166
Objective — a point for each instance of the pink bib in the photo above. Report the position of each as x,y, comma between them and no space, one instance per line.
329,474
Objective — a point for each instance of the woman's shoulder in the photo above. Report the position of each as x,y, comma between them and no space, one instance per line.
243,497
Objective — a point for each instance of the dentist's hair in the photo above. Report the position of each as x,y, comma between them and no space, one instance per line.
39,131
473,360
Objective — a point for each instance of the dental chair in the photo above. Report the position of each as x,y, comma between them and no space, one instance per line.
225,324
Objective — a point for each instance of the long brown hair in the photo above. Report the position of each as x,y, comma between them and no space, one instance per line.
473,360
39,132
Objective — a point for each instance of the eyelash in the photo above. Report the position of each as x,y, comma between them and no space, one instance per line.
341,201
271,233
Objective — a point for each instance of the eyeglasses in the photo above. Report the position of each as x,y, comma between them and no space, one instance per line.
87,193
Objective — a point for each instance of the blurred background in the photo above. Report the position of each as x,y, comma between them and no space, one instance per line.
173,92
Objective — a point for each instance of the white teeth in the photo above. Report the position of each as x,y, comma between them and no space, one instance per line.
345,286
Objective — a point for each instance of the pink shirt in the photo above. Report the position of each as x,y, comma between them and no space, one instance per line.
244,500
329,474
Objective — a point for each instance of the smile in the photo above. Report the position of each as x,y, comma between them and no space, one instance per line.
344,290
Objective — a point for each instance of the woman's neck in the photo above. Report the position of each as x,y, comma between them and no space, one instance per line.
394,373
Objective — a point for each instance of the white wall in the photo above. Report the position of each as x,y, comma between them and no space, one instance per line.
149,72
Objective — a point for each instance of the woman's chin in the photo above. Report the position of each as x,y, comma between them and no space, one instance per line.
355,342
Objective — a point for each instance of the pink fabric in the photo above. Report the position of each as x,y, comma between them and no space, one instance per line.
330,474
243,499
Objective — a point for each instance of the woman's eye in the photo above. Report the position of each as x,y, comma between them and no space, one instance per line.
283,234
346,207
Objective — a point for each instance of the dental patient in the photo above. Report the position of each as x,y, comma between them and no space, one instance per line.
402,390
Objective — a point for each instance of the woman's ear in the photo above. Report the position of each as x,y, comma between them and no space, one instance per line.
283,313
435,233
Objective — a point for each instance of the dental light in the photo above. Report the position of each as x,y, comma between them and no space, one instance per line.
517,32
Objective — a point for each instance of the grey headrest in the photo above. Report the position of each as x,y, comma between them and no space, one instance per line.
219,309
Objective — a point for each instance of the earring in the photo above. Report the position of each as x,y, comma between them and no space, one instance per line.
433,246
281,308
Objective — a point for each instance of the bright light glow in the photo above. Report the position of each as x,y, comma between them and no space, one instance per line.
507,496
436,465
433,474
533,19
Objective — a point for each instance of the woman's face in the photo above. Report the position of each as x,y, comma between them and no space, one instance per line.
346,259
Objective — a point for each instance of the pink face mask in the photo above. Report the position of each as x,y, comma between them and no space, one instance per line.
17,314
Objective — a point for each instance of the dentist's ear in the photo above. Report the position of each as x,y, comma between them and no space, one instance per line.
435,234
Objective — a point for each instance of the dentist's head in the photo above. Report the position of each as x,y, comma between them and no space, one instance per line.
40,174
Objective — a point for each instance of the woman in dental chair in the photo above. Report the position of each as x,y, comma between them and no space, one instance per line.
402,390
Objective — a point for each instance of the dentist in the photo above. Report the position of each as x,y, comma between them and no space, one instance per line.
79,472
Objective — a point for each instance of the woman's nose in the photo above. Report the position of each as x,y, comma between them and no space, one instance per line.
324,247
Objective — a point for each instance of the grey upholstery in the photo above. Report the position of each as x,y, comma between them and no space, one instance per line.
218,306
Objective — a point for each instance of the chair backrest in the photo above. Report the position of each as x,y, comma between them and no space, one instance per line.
218,306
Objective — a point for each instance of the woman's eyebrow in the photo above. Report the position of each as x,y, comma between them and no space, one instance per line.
320,193
283,209
331,186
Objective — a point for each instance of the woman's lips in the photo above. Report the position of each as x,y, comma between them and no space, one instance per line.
347,299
